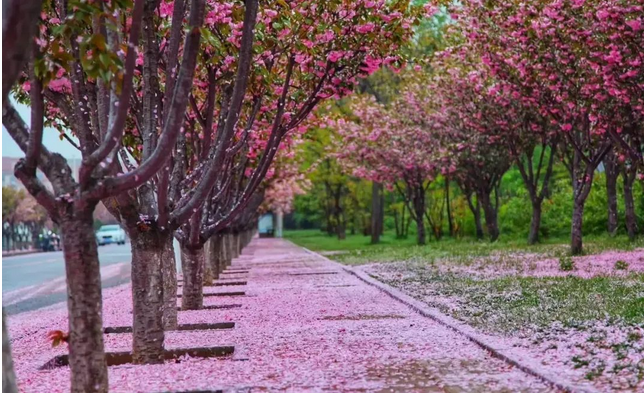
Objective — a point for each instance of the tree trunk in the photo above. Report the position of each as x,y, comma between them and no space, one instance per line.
169,286
215,245
419,212
535,223
279,221
84,304
450,220
341,230
376,212
232,247
476,212
8,376
629,206
149,249
576,244
611,192
208,273
491,221
192,262
224,253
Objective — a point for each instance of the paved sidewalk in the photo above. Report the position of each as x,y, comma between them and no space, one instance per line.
304,325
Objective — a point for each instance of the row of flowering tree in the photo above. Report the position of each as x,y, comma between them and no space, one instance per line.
522,84
179,109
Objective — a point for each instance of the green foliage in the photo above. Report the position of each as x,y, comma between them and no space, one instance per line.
11,197
621,265
566,263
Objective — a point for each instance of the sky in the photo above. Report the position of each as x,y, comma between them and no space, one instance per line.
50,139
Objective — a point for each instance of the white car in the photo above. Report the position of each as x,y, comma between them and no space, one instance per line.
110,234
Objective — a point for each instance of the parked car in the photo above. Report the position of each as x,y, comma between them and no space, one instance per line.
110,234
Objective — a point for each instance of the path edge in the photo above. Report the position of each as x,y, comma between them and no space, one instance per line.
459,327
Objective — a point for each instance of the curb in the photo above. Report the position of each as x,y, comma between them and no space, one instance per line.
17,254
462,329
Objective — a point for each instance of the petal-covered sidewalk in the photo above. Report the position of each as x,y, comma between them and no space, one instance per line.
304,325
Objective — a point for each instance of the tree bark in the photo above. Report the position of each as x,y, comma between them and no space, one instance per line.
192,262
240,244
535,223
208,273
576,233
215,254
149,247
341,231
84,304
169,286
376,212
476,212
8,375
450,220
491,219
611,192
419,212
629,206
230,249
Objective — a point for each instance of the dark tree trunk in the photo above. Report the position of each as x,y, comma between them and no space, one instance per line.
476,212
84,304
535,223
233,247
629,206
450,219
208,273
419,212
212,259
224,253
240,245
491,220
169,286
8,375
396,226
192,262
341,231
576,233
405,228
149,247
612,174
376,212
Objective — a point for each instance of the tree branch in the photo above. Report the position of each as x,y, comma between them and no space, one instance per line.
239,91
113,136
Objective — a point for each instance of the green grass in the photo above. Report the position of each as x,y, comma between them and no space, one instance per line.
510,304
358,250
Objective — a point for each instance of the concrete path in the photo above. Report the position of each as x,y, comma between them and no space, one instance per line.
304,325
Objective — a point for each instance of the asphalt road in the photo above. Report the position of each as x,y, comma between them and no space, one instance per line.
33,269
37,280
34,281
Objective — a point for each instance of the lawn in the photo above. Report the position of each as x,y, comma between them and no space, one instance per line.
585,314
356,249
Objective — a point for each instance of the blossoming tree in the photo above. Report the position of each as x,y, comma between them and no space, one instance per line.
578,63
87,88
301,59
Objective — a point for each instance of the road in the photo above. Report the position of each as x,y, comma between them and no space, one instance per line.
37,280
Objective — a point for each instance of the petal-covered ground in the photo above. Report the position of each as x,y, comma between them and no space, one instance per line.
304,325
587,322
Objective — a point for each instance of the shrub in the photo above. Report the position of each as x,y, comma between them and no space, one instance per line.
566,263
621,265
